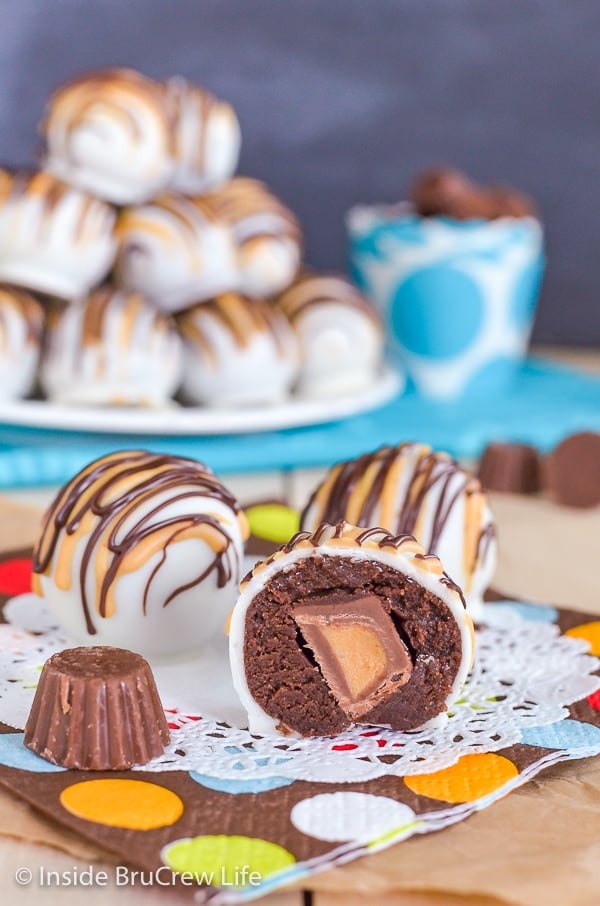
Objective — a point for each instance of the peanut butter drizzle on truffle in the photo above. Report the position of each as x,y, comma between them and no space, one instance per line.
102,502
117,91
243,199
345,535
189,100
126,305
24,304
311,290
172,219
95,217
355,489
240,316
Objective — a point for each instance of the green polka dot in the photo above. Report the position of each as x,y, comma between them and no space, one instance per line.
226,857
273,522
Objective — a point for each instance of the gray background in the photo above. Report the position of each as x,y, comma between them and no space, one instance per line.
342,101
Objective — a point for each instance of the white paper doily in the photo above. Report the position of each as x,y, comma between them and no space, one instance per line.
525,675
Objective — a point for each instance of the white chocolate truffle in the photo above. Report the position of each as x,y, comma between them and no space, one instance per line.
206,138
411,489
21,324
267,235
396,643
176,251
114,348
237,352
109,132
141,551
53,238
339,332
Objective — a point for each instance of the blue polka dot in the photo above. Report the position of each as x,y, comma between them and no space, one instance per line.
537,613
572,735
525,294
13,754
437,312
495,376
245,785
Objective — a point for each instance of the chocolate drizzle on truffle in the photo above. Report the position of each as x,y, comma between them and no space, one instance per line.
311,290
243,318
113,499
355,490
24,303
253,211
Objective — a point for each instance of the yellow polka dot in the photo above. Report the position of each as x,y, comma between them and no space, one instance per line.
222,858
588,631
133,804
471,778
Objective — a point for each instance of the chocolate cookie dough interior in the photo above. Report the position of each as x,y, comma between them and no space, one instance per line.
304,648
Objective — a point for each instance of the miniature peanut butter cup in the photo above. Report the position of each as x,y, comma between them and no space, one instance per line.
572,471
510,468
97,709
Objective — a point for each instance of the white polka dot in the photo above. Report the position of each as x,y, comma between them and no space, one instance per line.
345,817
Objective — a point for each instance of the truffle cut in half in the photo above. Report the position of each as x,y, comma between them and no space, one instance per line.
346,625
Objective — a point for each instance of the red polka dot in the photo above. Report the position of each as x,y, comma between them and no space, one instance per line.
594,700
347,747
15,576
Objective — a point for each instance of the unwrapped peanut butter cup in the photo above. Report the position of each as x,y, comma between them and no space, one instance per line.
97,709
510,468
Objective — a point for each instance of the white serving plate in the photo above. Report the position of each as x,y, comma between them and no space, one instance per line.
181,420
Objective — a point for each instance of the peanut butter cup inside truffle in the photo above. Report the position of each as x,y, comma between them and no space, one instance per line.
354,641
97,709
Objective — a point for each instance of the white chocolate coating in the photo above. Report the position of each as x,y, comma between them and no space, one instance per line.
109,132
141,551
237,352
53,238
267,235
113,348
339,332
21,323
175,251
206,140
407,558
412,489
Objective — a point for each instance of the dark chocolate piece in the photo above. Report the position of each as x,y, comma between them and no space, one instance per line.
97,709
572,471
505,202
357,647
446,192
442,191
283,677
510,468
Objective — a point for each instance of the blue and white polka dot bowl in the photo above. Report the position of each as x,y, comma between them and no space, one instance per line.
458,297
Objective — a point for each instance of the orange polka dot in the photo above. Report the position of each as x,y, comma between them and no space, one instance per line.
471,778
133,804
588,631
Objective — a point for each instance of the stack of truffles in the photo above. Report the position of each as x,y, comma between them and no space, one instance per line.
156,270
